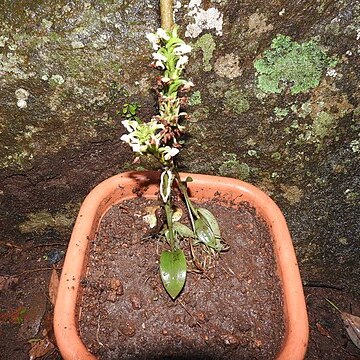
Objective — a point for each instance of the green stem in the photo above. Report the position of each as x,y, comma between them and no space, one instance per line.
169,214
191,209
168,207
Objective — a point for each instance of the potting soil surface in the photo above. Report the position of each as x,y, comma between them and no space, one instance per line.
232,310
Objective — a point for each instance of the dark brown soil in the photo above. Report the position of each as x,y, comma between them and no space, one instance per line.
233,310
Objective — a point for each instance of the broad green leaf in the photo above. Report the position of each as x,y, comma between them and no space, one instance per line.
211,220
204,233
173,271
182,230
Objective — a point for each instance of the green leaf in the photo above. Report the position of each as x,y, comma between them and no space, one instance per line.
166,179
173,271
125,109
204,233
207,230
182,230
211,220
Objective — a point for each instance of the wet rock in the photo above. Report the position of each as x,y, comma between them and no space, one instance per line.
54,256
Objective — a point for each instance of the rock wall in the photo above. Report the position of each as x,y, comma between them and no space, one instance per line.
275,104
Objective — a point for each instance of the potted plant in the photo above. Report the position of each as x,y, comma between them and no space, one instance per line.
161,137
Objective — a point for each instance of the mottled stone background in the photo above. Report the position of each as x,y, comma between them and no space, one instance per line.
275,104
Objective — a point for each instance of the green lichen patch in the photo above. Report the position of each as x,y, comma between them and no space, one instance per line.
234,168
41,221
280,112
323,125
236,101
303,111
207,45
289,63
199,115
195,98
291,193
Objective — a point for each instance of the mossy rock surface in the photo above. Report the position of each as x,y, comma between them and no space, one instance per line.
269,92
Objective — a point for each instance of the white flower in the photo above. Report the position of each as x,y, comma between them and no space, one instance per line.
130,125
182,49
142,137
165,79
126,138
159,60
170,152
187,85
154,40
159,57
162,34
159,64
182,61
135,147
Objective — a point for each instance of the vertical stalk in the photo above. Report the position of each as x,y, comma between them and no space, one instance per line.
192,211
166,11
168,205
169,213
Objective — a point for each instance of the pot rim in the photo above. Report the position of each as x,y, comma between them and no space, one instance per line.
101,198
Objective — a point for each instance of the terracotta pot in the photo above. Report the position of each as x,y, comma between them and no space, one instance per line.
203,187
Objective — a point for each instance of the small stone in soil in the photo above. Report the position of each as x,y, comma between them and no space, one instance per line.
230,339
201,318
135,301
117,286
127,328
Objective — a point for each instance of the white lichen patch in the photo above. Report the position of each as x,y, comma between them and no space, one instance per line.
21,96
3,40
228,66
355,146
208,19
57,79
257,24
176,8
76,44
331,73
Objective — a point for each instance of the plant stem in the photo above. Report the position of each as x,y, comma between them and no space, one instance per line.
169,214
166,14
192,211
